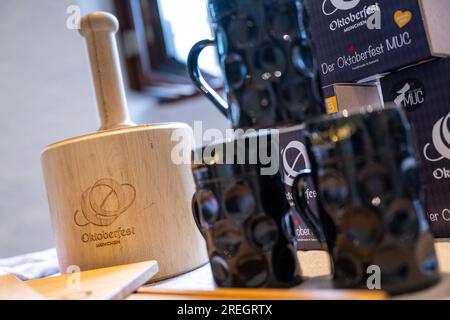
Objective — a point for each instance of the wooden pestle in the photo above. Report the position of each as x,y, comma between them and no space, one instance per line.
115,196
99,29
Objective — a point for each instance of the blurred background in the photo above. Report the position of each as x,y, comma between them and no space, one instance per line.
46,91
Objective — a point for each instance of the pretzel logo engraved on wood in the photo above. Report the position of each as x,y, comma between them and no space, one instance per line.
104,202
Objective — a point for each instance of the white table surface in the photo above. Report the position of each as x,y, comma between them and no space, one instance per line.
316,271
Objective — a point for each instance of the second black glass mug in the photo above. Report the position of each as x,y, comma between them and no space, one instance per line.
266,58
241,209
370,200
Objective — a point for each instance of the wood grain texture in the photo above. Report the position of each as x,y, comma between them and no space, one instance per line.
99,29
443,253
116,198
102,284
12,288
260,294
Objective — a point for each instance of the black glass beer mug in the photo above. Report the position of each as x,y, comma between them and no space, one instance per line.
370,201
266,58
244,215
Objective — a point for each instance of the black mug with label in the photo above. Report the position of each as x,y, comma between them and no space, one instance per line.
370,201
241,209
265,54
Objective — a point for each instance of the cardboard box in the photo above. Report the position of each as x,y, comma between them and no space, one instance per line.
355,39
424,92
294,157
352,97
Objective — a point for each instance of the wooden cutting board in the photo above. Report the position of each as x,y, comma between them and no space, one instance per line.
12,288
149,293
100,284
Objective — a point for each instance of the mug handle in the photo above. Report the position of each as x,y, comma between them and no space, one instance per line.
197,78
196,214
302,206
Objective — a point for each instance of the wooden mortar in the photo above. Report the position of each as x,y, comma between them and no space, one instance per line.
115,196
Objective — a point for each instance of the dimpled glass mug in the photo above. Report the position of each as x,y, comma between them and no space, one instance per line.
370,200
265,56
242,211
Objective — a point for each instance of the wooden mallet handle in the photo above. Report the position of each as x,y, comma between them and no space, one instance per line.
99,29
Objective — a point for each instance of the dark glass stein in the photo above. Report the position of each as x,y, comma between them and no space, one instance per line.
266,58
245,217
370,200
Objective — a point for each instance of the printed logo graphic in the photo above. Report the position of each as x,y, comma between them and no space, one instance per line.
402,94
441,141
292,154
104,202
329,7
402,18
409,94
368,15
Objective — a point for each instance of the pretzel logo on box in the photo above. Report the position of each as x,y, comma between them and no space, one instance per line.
292,162
441,141
368,15
338,5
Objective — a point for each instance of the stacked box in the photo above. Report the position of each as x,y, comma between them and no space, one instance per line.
356,39
399,43
293,158
352,97
424,92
